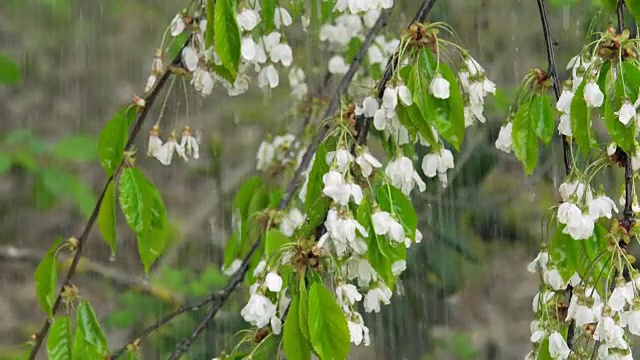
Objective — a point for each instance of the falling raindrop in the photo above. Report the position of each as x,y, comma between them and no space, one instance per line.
145,279
112,258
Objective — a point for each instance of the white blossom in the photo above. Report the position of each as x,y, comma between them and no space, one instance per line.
385,224
177,25
348,294
268,76
273,281
626,113
437,162
258,311
558,348
564,102
602,206
341,157
189,143
233,267
292,221
282,17
440,87
564,127
337,65
339,190
377,296
190,58
202,81
155,143
539,263
266,153
367,163
166,151
505,141
402,175
358,332
248,19
593,95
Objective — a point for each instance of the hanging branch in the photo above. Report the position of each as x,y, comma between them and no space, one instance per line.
552,72
82,239
294,184
365,123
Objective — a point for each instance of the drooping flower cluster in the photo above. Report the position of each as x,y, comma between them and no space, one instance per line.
165,151
281,151
580,210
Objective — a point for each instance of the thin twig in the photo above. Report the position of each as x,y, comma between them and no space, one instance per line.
149,100
294,184
118,278
365,123
552,71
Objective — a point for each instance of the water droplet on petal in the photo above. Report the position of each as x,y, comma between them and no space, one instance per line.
112,258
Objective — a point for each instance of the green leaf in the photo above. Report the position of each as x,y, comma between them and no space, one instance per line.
107,217
316,204
244,195
209,31
377,258
113,139
303,318
178,44
295,344
59,341
634,8
76,148
565,251
327,325
623,136
274,239
543,351
267,348
135,200
89,342
227,35
446,115
9,72
5,163
152,243
46,278
581,120
268,14
144,210
393,201
525,140
543,117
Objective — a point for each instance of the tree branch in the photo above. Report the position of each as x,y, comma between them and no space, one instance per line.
119,279
365,123
552,71
149,100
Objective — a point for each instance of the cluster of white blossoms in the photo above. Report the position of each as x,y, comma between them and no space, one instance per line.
345,236
580,209
603,320
281,151
260,53
164,151
266,293
476,87
355,25
358,6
